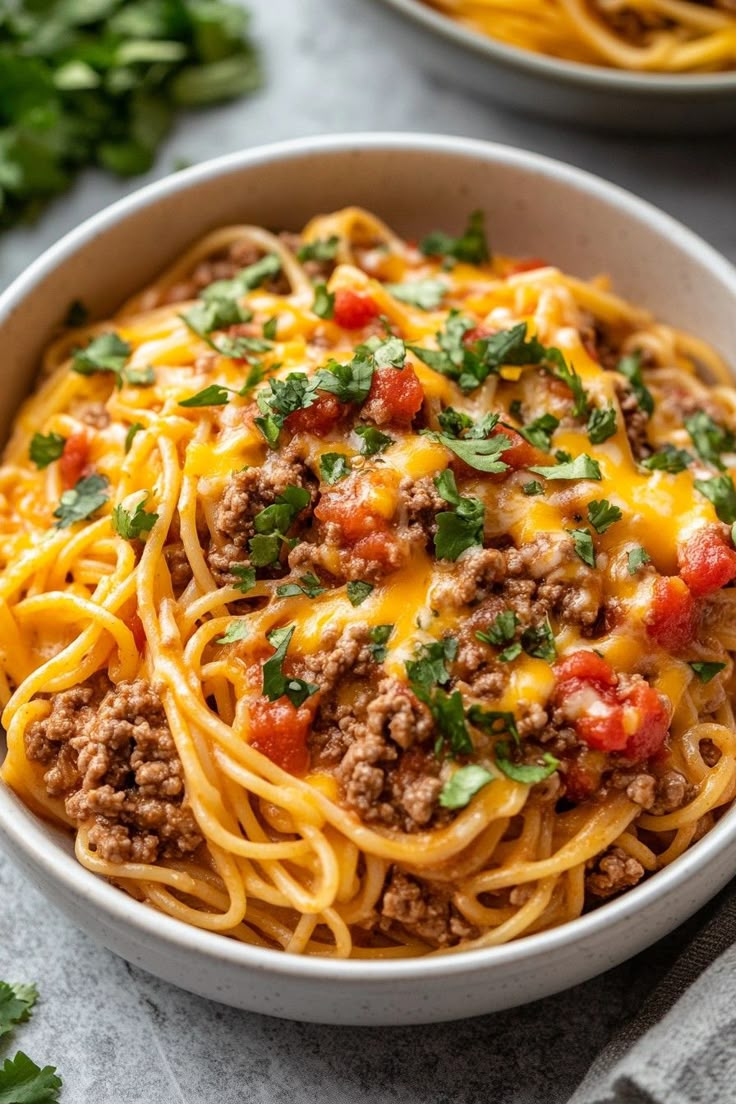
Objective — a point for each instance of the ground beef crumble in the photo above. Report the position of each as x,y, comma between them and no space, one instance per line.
112,758
422,910
613,872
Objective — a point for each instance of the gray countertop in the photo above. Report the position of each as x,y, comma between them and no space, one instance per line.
119,1036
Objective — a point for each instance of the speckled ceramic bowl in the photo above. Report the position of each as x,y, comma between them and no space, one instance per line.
534,207
583,95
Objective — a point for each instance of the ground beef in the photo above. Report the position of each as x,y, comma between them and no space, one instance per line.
672,792
635,421
342,653
419,504
422,910
711,752
179,567
612,873
112,758
329,556
472,578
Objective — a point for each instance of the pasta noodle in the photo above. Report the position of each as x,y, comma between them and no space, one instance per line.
657,36
373,600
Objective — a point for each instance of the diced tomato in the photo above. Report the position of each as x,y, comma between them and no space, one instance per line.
348,505
527,264
74,459
672,618
522,454
279,730
139,633
652,722
706,561
583,775
319,418
585,665
354,311
396,395
379,547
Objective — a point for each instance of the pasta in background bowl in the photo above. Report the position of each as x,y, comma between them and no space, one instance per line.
366,263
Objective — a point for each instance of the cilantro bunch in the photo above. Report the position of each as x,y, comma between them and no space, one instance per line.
97,82
21,1080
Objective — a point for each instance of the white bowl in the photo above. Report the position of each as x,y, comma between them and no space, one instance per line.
584,95
535,207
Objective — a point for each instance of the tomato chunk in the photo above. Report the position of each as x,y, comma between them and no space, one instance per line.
522,454
139,633
279,730
349,506
319,418
396,395
585,665
352,310
706,561
527,264
74,459
672,618
651,721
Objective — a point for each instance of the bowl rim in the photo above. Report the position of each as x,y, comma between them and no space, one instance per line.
570,72
27,834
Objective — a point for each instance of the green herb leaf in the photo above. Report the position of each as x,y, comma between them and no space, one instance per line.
533,487
215,314
471,246
454,422
82,501
324,302
482,454
709,438
334,466
132,525
539,432
602,515
136,427
425,294
583,542
23,1082
388,352
45,449
273,523
246,575
508,655
308,584
668,459
350,382
140,377
706,671
493,722
637,557
428,668
459,530
464,784
105,353
275,683
449,716
322,249
379,636
270,328
470,364
372,440
539,641
582,467
529,774
501,631
236,630
630,366
722,493
16,1002
214,395
601,424
358,591
565,372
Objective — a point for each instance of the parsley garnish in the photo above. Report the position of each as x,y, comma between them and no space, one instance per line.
602,515
297,392
464,784
527,773
709,438
236,630
372,440
105,353
706,671
539,641
668,459
358,590
379,635
322,249
449,716
16,1003
461,529
81,501
722,493
324,302
583,542
334,466
45,449
350,382
214,395
471,246
428,668
636,558
630,366
246,575
481,453
425,294
275,683
273,523
132,525
539,432
582,467
533,487
308,584
471,364
501,631
601,424
23,1082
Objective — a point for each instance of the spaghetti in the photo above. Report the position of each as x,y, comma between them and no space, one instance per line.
658,36
365,599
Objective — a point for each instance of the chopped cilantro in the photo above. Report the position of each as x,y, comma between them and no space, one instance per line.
131,525
706,671
334,466
722,493
709,438
275,683
428,668
246,576
539,641
470,363
565,372
471,247
272,524
387,352
527,773
425,294
630,366
322,249
582,467
372,440
601,424
82,501
45,449
462,785
459,530
324,302
583,541
508,655
602,515
358,591
308,584
140,377
636,558
23,1082
16,1003
501,631
539,432
493,722
449,716
213,314
349,382
379,636
270,327
668,459
453,422
483,454
533,487
236,630
105,353
136,427
214,395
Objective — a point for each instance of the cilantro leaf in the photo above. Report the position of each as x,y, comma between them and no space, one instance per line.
350,382
270,327
132,525
135,427
82,501
709,438
668,459
236,630
334,466
16,1002
462,785
539,432
140,377
539,641
324,302
636,558
501,631
246,575
372,440
379,636
322,249
214,395
630,366
297,392
428,668
508,655
582,467
602,515
471,246
601,424
275,683
272,524
23,1082
706,671
493,722
449,716
722,493
454,422
583,542
527,773
483,454
105,353
565,372
308,584
45,449
387,352
212,314
249,278
533,487
459,530
470,364
425,294
358,591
